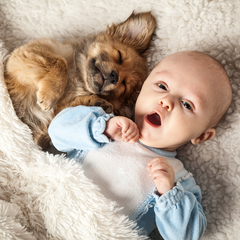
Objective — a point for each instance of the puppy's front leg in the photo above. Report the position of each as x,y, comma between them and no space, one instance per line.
35,71
88,100
52,86
104,104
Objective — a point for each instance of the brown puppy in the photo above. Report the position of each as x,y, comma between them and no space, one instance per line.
106,69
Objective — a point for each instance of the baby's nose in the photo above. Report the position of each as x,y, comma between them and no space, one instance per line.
167,104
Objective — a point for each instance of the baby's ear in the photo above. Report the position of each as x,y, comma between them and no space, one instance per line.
207,135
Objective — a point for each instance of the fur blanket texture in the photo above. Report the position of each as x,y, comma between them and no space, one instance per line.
43,196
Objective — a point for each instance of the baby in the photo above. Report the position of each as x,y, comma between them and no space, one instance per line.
181,101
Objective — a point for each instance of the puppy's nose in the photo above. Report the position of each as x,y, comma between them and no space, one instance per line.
113,77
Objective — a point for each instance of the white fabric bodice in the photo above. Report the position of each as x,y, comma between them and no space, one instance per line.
121,172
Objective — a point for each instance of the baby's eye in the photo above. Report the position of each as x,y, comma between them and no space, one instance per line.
186,105
162,86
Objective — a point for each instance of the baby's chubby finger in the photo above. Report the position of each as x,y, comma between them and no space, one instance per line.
132,132
158,174
157,160
131,136
127,126
134,138
158,166
162,173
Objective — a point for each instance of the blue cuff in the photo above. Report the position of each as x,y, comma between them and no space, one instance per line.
170,198
99,127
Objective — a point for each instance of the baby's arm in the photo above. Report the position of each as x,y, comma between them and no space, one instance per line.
179,214
121,129
79,128
86,128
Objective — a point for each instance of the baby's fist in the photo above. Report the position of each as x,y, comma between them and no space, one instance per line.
162,173
122,129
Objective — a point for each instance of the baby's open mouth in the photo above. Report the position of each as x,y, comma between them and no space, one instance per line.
154,119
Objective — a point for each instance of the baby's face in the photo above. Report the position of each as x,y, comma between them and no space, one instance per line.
176,102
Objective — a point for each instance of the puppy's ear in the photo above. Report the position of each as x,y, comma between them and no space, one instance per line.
136,31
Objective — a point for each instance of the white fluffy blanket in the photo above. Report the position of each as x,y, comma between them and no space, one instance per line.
48,197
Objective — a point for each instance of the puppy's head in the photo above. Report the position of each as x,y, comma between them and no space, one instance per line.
116,65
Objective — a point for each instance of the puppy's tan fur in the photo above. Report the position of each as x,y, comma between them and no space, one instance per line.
106,69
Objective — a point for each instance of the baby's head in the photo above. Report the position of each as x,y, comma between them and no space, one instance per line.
182,100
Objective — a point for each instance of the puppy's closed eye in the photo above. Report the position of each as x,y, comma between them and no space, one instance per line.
120,58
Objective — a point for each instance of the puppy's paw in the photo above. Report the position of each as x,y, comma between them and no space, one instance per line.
46,100
106,106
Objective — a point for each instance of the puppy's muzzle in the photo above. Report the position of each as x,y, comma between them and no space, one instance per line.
109,80
104,78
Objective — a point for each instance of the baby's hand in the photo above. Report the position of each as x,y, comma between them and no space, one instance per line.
121,129
162,174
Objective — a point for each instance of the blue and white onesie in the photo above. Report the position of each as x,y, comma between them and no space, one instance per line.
121,172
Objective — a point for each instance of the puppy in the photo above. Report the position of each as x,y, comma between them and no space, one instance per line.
106,69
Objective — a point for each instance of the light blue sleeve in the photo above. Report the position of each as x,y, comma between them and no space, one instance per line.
79,128
179,214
